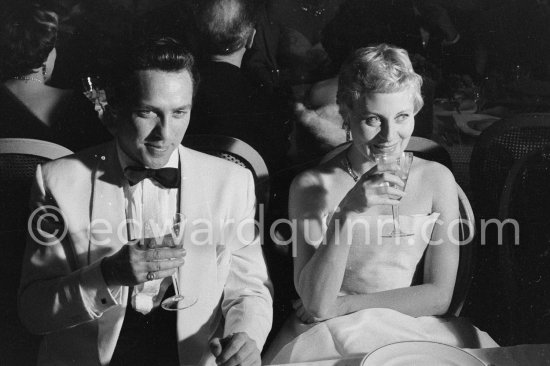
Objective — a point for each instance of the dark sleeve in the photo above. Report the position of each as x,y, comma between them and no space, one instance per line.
80,126
261,58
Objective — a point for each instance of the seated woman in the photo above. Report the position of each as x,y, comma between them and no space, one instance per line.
355,284
31,108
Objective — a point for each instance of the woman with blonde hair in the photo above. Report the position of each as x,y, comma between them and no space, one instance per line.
354,281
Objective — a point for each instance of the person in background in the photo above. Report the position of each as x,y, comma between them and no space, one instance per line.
82,277
227,102
32,108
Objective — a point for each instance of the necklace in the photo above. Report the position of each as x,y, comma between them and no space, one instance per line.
27,78
349,170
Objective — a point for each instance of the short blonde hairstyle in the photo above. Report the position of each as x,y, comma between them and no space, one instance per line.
377,69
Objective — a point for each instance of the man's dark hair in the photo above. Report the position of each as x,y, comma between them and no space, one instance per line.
162,54
28,32
225,25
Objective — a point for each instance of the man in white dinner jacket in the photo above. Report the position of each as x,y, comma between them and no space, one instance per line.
92,291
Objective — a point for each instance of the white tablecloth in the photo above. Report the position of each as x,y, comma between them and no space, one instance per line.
523,355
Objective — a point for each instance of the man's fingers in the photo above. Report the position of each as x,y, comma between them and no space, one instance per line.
161,265
160,254
215,347
244,357
300,313
233,344
156,275
310,320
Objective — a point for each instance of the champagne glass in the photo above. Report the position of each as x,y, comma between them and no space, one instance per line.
178,301
400,166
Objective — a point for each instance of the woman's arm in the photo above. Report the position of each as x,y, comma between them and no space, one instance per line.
431,298
318,273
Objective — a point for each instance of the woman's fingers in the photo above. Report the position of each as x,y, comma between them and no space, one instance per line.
381,178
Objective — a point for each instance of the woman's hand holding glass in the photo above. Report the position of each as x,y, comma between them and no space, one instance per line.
399,165
373,188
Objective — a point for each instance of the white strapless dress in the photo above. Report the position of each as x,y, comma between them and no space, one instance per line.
375,263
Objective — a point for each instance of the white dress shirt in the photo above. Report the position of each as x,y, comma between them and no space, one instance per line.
148,202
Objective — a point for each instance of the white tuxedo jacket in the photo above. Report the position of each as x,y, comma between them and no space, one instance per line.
63,294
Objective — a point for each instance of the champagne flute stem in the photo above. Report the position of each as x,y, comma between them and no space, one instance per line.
175,283
395,213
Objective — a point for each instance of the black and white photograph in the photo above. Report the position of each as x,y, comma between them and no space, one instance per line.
274,182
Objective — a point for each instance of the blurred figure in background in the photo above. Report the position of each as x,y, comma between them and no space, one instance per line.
287,50
227,103
32,108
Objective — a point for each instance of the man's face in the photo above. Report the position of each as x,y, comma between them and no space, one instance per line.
158,117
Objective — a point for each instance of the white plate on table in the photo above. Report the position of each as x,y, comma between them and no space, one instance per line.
422,353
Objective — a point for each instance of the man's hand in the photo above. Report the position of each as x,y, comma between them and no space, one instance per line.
236,349
131,264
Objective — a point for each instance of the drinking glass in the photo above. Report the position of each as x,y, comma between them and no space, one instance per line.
178,301
399,165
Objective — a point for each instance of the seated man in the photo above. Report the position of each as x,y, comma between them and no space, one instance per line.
90,287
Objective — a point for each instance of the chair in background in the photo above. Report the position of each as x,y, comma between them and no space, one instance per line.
495,151
18,160
464,273
525,254
430,150
238,152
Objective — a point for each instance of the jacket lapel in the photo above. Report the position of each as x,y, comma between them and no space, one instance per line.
107,236
108,231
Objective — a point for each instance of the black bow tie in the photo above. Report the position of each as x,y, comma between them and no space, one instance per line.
167,177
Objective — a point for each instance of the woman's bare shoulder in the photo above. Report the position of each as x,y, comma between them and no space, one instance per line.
432,172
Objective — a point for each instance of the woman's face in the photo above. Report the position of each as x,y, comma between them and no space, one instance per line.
382,122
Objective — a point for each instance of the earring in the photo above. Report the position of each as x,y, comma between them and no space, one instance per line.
44,69
345,126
